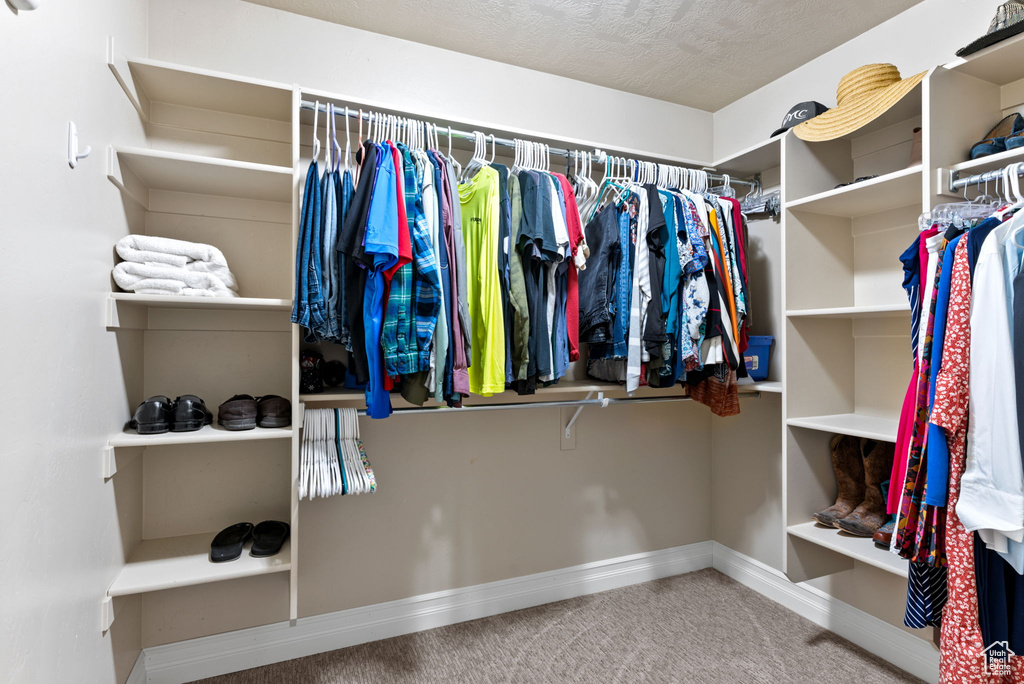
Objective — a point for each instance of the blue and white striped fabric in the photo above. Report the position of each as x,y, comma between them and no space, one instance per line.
911,260
926,596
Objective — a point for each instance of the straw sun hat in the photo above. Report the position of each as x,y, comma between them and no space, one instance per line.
863,95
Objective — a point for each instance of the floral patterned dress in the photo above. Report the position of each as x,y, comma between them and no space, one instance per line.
962,658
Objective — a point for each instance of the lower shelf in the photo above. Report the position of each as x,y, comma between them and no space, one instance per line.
855,424
857,548
185,561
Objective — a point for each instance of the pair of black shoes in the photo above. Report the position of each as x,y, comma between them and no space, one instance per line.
315,373
267,539
159,414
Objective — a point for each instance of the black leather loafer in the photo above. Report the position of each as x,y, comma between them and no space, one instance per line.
153,416
190,413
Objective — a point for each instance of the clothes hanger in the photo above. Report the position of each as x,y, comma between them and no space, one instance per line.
316,122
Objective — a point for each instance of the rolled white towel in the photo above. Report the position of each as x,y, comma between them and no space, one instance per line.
161,279
194,256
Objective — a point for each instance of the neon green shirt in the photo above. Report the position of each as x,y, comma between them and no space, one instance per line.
480,215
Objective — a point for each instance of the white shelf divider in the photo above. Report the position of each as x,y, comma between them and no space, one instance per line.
859,548
132,311
897,189
206,435
753,160
137,171
855,424
873,311
1001,64
185,561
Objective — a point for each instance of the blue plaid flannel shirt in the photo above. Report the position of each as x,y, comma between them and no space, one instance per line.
414,302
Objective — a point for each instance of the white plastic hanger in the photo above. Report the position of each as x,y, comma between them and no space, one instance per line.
316,122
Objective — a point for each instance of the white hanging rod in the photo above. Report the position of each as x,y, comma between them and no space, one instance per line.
547,404
598,155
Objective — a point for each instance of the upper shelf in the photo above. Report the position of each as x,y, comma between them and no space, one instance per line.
137,171
992,162
753,160
1000,64
146,81
896,189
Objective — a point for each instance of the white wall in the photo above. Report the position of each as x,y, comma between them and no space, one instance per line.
924,36
242,38
62,542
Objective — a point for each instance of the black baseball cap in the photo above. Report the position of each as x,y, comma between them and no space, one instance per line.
805,111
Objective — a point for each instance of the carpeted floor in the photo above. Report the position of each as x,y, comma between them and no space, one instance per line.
702,627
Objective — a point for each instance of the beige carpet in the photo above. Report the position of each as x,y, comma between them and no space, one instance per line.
702,627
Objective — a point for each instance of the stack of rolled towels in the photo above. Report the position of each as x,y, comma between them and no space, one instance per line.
157,265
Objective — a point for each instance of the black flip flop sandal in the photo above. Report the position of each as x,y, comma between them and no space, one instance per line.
268,537
229,542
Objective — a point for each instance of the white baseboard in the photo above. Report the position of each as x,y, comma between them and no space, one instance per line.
187,661
917,656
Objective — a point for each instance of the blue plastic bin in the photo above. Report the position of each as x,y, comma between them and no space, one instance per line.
756,356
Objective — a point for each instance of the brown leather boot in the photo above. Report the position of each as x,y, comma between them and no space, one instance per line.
848,467
865,520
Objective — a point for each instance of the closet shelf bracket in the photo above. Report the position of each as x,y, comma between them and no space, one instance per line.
579,409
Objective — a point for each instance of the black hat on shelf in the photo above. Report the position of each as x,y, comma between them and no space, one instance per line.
805,111
1008,22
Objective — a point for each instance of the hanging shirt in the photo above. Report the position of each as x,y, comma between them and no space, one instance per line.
937,481
307,274
461,344
641,296
481,208
380,245
518,293
580,251
350,243
992,491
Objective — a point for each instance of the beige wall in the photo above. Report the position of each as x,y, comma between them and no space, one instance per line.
61,534
466,499
242,38
924,36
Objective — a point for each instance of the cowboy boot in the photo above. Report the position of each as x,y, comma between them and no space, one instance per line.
870,515
849,470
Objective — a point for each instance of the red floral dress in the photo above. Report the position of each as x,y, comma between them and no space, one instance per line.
962,658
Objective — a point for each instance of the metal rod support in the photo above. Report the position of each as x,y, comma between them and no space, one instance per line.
504,142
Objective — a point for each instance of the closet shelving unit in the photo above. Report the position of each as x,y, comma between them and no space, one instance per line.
225,161
224,165
847,335
218,168
846,338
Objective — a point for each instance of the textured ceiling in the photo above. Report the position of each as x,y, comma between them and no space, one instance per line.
701,53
